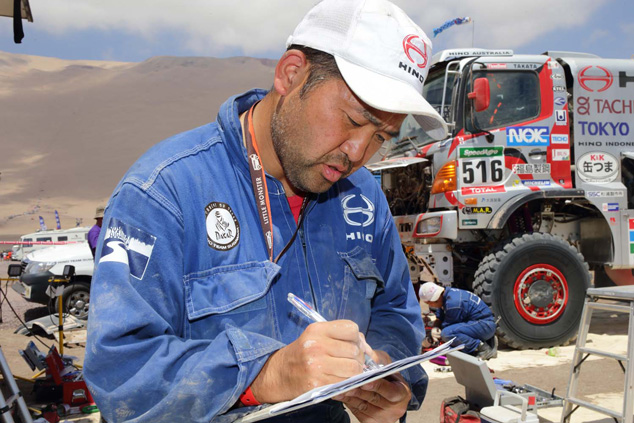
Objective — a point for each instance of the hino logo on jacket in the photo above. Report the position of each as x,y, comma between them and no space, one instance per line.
358,213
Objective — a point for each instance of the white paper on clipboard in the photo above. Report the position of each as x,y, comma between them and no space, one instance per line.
323,393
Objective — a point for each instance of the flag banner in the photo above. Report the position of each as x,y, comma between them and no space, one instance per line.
42,225
59,225
448,24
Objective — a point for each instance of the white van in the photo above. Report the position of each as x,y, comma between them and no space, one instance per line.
43,239
38,267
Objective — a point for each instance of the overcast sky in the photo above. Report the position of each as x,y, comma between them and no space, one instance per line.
134,30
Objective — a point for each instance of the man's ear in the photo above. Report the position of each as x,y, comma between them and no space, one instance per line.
290,72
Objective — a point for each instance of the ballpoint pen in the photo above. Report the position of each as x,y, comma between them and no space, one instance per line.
309,312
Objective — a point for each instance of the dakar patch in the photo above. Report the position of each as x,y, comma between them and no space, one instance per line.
223,229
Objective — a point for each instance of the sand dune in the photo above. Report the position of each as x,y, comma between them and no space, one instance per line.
70,129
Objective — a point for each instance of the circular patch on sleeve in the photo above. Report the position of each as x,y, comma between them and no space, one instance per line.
223,229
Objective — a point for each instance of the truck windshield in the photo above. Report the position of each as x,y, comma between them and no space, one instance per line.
514,98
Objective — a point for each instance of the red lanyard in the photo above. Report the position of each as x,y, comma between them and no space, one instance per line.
261,192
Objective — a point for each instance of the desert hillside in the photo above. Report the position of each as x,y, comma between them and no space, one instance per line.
70,129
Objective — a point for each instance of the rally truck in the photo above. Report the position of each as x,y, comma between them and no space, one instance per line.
530,200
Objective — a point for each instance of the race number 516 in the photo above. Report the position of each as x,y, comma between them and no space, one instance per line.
482,171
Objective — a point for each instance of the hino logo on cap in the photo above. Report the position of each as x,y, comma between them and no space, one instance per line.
408,46
416,51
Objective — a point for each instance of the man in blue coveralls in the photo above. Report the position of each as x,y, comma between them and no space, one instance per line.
207,234
461,315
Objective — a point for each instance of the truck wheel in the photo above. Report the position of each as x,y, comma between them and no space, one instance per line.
536,284
76,298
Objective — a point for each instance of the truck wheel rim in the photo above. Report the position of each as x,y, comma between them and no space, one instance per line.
540,294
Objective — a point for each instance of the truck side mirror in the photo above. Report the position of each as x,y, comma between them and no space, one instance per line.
481,94
69,271
14,270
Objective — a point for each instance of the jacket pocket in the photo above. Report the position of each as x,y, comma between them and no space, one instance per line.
362,281
229,289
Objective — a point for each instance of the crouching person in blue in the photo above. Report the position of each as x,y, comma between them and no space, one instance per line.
207,234
461,315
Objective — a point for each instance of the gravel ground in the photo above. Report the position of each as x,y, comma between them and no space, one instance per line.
24,309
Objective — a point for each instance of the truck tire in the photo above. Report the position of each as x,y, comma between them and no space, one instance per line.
536,285
76,298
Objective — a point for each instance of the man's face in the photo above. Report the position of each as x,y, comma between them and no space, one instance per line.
328,134
435,304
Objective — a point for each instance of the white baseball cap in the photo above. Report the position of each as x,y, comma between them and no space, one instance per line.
429,292
381,53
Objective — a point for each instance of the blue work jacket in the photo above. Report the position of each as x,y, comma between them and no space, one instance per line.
460,306
186,306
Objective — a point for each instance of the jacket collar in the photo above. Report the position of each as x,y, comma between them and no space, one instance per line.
229,124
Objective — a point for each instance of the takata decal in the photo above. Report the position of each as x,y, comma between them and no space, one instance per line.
223,229
128,245
595,78
597,167
358,213
561,117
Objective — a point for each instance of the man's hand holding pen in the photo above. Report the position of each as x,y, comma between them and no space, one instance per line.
325,353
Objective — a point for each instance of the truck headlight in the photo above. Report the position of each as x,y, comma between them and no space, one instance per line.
429,227
446,178
38,266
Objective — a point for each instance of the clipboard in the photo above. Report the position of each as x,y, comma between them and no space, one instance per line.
322,393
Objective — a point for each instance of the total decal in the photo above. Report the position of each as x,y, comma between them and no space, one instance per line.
527,136
358,211
482,190
598,167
